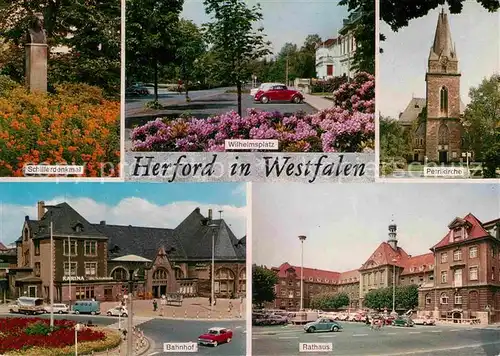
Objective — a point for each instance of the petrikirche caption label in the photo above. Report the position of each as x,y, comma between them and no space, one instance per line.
254,167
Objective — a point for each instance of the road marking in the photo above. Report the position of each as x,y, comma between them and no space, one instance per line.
327,336
435,331
238,327
392,333
454,330
415,332
289,337
153,353
360,335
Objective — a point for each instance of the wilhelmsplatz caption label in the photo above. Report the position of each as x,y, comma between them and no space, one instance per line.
250,167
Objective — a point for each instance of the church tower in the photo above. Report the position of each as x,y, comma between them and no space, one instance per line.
443,129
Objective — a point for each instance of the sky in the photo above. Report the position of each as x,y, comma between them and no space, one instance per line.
138,204
345,223
286,20
403,64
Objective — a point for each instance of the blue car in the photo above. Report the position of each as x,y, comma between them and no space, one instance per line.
322,325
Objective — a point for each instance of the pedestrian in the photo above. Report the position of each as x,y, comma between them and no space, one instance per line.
124,334
210,300
230,307
215,300
155,305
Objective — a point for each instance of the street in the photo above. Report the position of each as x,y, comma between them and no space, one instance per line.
162,330
204,103
356,339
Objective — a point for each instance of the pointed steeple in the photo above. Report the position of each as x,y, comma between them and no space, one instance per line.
443,45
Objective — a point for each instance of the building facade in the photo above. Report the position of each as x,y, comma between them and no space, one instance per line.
459,279
335,55
99,260
434,121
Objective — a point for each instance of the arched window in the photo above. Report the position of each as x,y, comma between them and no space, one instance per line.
224,281
26,234
179,274
428,299
444,298
160,273
119,274
443,134
444,100
242,277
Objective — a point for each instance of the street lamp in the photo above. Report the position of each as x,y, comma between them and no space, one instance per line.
51,287
212,281
302,238
130,334
467,155
394,286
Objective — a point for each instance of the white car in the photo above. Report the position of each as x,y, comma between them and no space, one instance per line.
58,308
263,86
117,311
424,321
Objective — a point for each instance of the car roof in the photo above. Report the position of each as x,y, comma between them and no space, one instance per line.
217,328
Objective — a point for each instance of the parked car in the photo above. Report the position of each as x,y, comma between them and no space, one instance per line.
279,93
388,320
215,336
87,307
118,311
27,305
263,87
58,308
322,324
424,321
137,90
403,322
275,319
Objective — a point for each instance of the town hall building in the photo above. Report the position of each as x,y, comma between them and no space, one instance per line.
98,260
434,121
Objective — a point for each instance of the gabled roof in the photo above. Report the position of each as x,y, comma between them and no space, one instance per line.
419,264
310,274
328,43
384,255
414,108
2,247
65,220
196,237
475,231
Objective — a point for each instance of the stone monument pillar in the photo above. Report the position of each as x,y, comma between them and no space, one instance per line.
36,55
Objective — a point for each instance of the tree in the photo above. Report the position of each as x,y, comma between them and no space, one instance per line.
234,40
379,299
328,301
152,35
91,34
362,25
398,13
482,124
191,46
394,144
263,282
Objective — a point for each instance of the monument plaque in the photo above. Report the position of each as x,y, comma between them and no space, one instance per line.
36,55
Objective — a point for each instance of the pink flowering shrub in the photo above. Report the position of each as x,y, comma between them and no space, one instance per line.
346,127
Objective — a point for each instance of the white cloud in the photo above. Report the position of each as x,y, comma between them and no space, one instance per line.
129,211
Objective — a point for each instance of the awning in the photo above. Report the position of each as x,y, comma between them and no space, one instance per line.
29,279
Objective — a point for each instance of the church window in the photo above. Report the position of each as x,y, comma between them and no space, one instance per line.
444,100
443,134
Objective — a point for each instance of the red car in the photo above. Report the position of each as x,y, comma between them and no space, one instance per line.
215,336
279,93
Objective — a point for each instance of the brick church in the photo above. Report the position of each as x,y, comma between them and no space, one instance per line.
434,121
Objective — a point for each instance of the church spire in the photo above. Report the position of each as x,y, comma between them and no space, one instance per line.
443,45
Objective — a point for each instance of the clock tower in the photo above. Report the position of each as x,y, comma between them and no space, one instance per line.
443,128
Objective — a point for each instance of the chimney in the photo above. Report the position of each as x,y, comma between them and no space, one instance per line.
41,209
197,210
103,222
26,218
210,214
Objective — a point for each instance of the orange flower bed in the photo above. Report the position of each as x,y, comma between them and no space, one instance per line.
74,126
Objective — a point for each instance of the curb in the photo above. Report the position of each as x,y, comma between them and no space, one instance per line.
199,319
